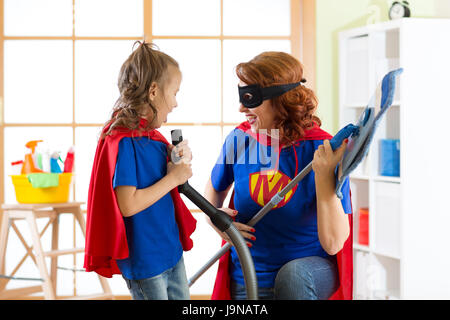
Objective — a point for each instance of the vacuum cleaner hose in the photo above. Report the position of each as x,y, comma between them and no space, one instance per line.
225,224
245,258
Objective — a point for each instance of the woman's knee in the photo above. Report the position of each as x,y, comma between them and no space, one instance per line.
294,282
308,278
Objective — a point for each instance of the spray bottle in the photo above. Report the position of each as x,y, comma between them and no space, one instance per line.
68,162
54,165
29,164
16,167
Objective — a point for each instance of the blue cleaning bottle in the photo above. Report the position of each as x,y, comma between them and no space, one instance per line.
54,165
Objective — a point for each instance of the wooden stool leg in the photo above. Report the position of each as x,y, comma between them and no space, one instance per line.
54,259
47,286
80,218
4,231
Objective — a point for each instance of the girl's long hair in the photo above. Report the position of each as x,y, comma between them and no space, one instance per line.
143,67
294,110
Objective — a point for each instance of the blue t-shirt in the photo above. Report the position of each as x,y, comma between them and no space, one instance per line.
287,232
152,234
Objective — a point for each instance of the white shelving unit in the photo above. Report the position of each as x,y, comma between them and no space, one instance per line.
408,255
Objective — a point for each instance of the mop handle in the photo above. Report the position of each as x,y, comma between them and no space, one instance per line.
335,143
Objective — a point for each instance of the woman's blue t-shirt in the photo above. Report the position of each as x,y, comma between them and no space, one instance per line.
152,234
287,232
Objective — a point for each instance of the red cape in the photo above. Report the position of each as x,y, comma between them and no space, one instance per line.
344,257
106,239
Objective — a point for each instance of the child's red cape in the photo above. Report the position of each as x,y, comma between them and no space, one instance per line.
106,239
344,257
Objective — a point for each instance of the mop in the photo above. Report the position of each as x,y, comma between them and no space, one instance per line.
360,137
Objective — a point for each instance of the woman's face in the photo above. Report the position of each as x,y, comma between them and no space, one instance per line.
165,100
261,117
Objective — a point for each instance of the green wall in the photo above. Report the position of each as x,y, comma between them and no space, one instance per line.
333,16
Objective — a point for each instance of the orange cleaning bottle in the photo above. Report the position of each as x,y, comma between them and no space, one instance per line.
28,164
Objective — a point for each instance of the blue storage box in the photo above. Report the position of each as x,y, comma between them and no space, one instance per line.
389,158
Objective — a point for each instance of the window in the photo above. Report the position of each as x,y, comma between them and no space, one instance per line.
59,62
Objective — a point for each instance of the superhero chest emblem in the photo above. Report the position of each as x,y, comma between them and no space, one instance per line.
264,185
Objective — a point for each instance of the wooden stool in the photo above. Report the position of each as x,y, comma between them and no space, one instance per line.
31,212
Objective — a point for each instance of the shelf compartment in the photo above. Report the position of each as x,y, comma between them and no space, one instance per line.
388,128
361,264
383,277
378,276
386,55
386,219
357,70
360,199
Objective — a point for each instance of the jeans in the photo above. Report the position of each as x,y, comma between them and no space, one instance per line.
172,284
309,278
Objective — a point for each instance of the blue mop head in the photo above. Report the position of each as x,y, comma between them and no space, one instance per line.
360,140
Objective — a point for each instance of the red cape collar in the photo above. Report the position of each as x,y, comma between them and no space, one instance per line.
313,133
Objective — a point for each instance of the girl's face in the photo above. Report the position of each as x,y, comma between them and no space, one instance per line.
165,100
261,117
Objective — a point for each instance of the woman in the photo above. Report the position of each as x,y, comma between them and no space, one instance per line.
295,246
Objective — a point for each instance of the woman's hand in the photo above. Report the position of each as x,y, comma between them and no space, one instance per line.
245,230
325,159
217,198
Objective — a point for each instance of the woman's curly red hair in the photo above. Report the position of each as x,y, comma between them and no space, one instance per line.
294,110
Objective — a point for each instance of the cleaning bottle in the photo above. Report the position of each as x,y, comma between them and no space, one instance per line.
29,164
42,154
40,158
16,167
46,160
68,162
39,161
54,165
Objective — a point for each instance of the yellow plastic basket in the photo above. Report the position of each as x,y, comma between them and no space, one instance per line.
25,193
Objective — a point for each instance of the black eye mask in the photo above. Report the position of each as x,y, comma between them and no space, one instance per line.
253,95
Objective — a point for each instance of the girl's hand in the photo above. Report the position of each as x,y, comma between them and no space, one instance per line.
180,172
325,159
180,168
245,230
181,152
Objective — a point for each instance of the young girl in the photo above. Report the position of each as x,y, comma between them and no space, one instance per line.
134,226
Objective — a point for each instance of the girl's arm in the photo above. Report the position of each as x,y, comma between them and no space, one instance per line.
332,222
132,200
